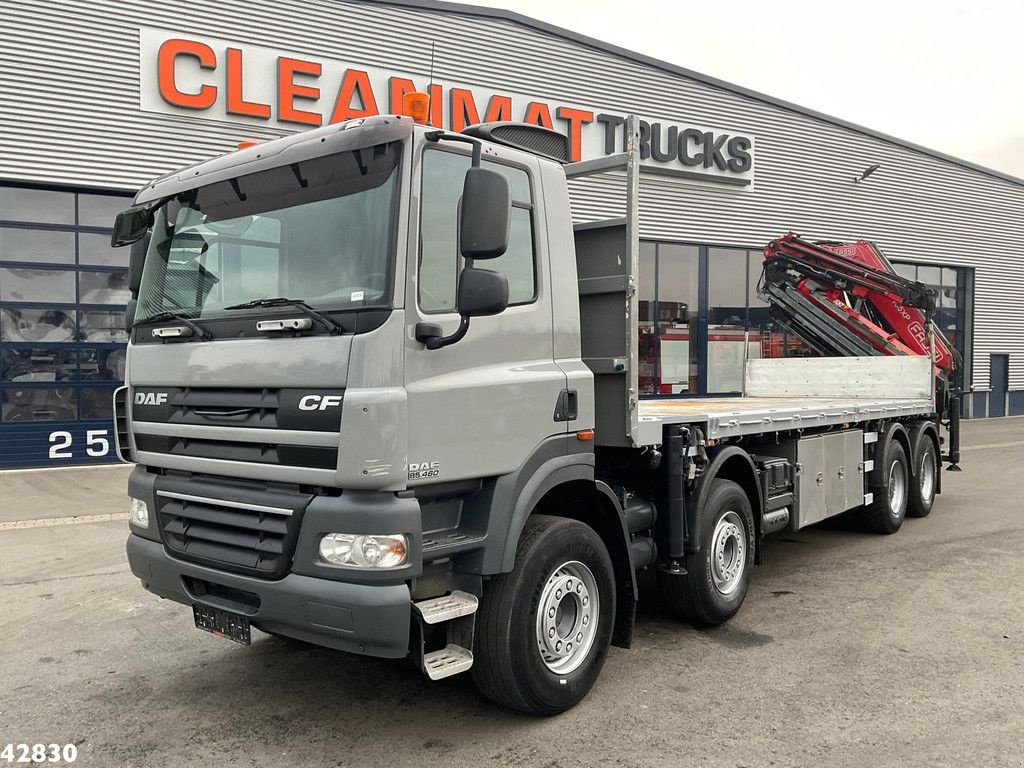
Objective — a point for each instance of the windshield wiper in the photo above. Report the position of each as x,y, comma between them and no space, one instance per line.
326,321
166,315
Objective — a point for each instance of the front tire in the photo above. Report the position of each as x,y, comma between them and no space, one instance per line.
718,576
543,630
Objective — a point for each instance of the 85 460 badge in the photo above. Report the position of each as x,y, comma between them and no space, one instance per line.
422,469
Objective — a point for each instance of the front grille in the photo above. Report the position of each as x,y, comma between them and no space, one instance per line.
247,528
246,407
230,450
246,425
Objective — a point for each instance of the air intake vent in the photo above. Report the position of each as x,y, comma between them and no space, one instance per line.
242,528
531,138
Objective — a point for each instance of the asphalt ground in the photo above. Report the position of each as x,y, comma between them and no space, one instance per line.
851,650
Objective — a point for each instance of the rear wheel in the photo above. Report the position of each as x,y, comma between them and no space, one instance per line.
888,510
925,480
543,630
718,576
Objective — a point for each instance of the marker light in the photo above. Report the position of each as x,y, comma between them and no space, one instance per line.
363,551
417,106
139,513
247,143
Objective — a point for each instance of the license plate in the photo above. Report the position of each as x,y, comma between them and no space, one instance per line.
223,624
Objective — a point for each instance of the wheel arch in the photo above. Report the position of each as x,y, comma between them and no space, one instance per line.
594,504
894,431
730,463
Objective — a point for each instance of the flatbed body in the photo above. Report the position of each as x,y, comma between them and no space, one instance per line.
745,415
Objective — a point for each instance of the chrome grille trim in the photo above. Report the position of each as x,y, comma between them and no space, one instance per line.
225,503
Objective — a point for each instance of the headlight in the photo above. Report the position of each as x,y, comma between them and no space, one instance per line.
139,513
364,551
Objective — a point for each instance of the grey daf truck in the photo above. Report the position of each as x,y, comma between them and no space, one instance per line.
382,396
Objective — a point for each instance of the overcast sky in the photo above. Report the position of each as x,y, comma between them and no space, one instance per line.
946,74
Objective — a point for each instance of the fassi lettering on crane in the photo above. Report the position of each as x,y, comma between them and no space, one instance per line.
208,76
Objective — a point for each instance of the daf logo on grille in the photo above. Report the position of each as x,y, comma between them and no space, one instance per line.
150,398
319,402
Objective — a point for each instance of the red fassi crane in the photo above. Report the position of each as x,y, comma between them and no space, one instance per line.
846,299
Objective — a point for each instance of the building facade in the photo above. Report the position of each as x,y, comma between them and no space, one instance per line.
102,97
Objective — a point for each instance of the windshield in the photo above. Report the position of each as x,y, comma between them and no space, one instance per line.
321,231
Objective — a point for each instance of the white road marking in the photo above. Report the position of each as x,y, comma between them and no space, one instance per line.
49,522
1015,444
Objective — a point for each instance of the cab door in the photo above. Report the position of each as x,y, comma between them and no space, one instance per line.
482,406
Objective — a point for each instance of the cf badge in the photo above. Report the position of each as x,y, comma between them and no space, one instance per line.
319,402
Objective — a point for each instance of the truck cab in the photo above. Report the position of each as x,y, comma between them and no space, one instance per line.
317,467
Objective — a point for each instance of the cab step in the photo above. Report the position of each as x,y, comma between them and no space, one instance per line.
450,660
447,607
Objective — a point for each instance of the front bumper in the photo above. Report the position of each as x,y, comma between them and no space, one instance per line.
368,619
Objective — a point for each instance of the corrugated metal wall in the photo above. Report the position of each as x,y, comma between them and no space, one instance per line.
69,89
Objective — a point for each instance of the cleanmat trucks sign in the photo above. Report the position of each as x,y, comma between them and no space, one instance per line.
220,80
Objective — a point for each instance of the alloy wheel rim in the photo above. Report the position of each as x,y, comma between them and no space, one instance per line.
728,553
567,617
897,489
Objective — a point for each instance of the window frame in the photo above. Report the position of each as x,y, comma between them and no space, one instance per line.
529,207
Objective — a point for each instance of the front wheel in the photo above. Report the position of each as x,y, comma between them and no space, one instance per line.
543,630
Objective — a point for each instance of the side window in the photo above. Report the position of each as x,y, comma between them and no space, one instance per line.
443,174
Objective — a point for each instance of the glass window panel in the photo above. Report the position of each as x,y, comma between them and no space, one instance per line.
727,311
97,402
95,251
755,266
18,324
39,245
948,277
37,285
41,364
670,356
103,287
26,404
518,180
443,175
102,326
645,283
517,262
929,275
41,206
678,278
907,270
100,210
102,364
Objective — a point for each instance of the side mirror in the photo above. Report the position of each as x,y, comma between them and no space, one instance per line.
482,292
135,263
486,213
130,226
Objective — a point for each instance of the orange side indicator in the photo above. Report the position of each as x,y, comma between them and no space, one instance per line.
247,143
585,434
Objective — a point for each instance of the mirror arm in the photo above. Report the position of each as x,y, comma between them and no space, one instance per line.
445,136
436,342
